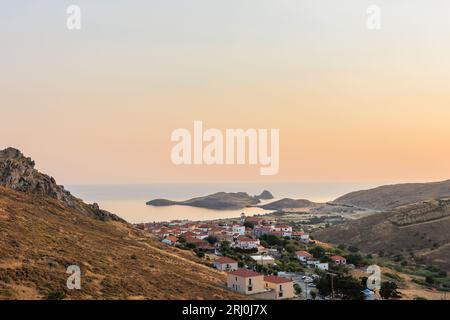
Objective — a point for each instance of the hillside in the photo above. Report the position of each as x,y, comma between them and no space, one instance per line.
391,196
421,228
217,201
287,203
43,230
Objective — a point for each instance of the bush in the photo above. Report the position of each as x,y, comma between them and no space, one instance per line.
199,253
317,252
211,239
353,249
297,289
249,224
56,295
389,290
429,279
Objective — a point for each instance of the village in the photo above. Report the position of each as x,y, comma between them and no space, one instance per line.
264,258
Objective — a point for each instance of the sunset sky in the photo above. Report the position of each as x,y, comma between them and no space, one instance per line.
98,105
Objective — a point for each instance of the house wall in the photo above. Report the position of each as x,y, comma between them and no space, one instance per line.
240,284
264,261
247,244
287,289
226,266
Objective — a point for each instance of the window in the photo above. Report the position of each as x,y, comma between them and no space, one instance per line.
250,282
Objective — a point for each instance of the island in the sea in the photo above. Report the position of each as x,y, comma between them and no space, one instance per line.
218,201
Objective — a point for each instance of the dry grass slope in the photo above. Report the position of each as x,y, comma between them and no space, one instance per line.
422,228
40,237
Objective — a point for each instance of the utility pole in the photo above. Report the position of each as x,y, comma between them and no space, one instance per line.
332,284
306,290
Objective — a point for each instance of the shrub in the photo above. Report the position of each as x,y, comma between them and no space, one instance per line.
56,295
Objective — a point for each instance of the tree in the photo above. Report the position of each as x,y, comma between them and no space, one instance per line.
313,294
317,252
297,289
388,290
429,279
272,240
199,253
345,286
364,281
355,258
291,247
264,243
249,224
211,239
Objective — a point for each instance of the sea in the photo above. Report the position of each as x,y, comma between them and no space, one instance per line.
129,200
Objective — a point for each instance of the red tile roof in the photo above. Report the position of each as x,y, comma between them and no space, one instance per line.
245,239
225,260
276,279
172,238
245,273
303,254
334,258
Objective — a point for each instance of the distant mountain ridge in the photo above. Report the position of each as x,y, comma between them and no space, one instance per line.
391,196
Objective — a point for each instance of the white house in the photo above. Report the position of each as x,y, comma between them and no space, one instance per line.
283,227
303,237
303,256
260,231
237,228
226,264
246,243
322,266
339,260
170,240
312,262
263,259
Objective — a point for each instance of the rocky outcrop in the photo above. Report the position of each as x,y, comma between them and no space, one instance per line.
18,172
265,195
216,201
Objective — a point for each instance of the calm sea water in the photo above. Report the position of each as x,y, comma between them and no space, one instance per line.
128,201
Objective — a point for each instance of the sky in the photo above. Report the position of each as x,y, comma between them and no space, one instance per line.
98,105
